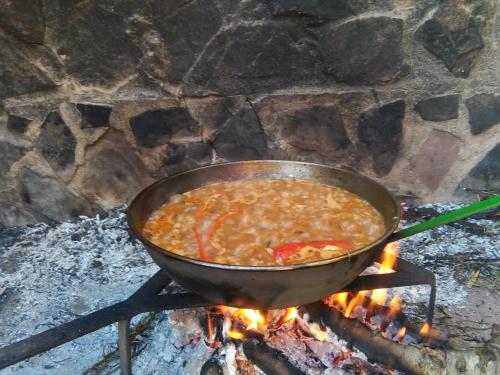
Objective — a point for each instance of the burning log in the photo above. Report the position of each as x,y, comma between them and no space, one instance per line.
409,358
211,367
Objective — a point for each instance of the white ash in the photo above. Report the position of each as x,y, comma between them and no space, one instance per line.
54,273
438,250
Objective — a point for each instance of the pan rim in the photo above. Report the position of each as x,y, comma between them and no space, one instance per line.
274,268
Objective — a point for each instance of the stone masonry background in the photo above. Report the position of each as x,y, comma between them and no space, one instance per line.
100,98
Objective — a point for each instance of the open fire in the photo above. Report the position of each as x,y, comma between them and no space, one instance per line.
286,328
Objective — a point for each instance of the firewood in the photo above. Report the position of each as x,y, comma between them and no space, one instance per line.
412,359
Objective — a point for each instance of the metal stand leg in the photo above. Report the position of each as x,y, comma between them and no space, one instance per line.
432,301
124,347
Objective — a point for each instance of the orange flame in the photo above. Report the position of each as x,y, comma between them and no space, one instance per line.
339,299
389,258
394,307
387,264
236,335
291,313
252,319
357,300
425,330
209,326
377,296
402,332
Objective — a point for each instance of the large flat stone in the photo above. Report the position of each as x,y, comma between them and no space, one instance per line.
24,19
185,27
380,130
484,176
17,124
453,36
320,129
435,157
56,142
439,108
113,174
94,116
96,40
18,75
241,138
212,112
156,127
484,112
247,59
182,157
50,198
315,128
364,51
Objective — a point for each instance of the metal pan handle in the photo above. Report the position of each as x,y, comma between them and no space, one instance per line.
449,217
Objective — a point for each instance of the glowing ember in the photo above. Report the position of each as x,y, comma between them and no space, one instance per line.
291,313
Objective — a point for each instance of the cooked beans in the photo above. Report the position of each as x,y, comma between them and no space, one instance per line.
264,222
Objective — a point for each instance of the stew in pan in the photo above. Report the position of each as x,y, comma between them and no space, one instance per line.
264,222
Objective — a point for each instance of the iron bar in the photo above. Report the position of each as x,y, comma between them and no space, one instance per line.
148,298
124,347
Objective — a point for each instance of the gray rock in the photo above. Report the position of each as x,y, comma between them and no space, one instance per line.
19,75
185,28
9,154
95,40
453,36
24,19
56,142
485,175
50,198
113,174
484,112
241,138
380,130
319,129
17,124
12,212
94,116
364,51
155,127
321,10
248,59
182,157
439,108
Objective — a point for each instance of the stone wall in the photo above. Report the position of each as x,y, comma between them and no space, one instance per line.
99,98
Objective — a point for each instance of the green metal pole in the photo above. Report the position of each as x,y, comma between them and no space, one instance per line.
446,218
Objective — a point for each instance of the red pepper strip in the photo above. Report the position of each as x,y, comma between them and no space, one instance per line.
217,223
286,250
201,248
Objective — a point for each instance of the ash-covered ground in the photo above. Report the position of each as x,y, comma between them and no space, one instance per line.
51,274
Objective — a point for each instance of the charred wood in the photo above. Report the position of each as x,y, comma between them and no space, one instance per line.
410,358
211,367
269,360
